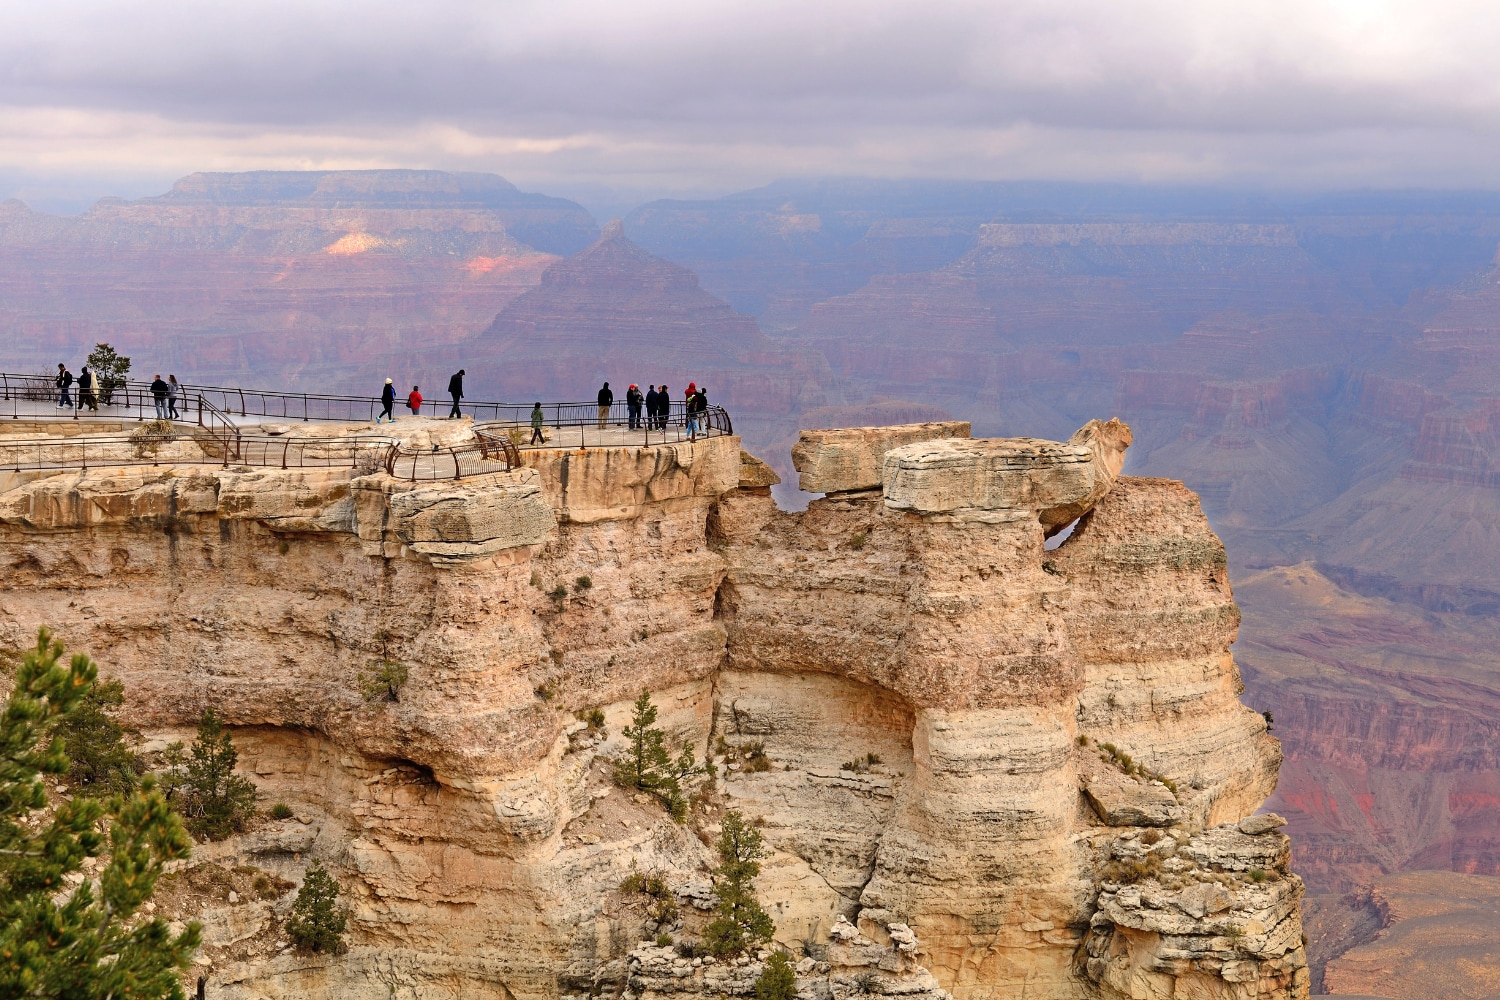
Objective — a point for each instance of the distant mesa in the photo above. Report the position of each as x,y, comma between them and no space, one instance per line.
552,225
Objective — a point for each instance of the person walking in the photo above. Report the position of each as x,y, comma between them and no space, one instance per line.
414,402
86,395
159,393
606,400
456,390
174,389
64,383
633,401
651,404
537,420
387,402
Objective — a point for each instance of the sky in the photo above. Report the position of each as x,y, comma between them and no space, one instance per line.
609,100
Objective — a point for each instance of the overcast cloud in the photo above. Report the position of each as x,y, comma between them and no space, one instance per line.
715,95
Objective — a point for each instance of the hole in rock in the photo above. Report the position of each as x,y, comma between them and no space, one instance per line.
1062,536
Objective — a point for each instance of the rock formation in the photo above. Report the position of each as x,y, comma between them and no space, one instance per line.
986,767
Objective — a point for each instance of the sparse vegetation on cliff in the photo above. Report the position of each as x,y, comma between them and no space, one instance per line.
90,942
382,680
650,767
860,765
739,920
214,800
661,904
317,922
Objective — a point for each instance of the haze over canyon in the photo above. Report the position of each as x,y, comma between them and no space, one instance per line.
1323,372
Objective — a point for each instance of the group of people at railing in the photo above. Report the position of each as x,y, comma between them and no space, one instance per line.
649,411
652,409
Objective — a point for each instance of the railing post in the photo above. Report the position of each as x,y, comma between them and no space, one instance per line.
242,401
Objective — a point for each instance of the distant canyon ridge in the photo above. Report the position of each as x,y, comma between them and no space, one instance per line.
1322,372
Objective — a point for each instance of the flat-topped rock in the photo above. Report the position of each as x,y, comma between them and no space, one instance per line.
851,458
1059,481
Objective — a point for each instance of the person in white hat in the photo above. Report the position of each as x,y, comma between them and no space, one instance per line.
387,402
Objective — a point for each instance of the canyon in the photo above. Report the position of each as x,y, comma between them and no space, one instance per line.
1319,371
1055,791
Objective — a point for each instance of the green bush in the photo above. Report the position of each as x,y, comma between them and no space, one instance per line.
99,763
664,940
281,811
739,920
776,981
211,797
662,902
382,681
583,583
317,923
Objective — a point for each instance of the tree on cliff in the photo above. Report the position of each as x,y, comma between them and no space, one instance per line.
648,765
317,923
99,762
215,800
90,943
739,921
110,368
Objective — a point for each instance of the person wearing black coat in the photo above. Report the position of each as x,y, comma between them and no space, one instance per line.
606,400
387,403
159,392
456,390
633,400
64,383
651,403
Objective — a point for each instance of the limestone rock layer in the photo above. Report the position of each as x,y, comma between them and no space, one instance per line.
983,766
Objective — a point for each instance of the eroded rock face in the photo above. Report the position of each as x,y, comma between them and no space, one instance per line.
964,747
852,458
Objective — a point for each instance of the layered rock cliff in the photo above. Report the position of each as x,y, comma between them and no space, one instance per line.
988,764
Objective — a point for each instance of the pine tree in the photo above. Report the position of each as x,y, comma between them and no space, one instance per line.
99,763
216,800
777,981
91,943
739,921
649,766
110,368
317,923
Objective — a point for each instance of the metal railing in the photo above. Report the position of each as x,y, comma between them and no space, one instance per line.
133,399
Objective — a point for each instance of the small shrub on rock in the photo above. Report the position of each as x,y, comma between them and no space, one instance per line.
776,981
664,940
281,811
317,923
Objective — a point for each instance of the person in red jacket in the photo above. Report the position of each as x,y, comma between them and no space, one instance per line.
414,401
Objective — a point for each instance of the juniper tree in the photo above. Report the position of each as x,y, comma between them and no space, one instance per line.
216,801
739,920
110,368
317,923
92,942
